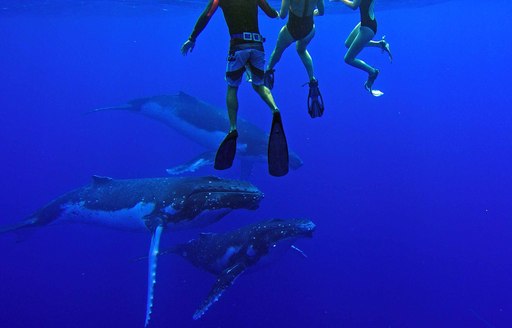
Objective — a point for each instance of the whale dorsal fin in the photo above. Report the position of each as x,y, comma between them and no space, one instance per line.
276,220
206,235
186,97
98,180
224,280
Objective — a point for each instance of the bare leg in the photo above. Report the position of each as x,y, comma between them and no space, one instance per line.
232,103
304,54
283,41
352,36
267,97
361,40
381,44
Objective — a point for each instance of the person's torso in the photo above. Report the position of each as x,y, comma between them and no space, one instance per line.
240,15
366,10
302,8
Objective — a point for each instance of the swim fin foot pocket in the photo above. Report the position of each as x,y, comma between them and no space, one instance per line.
371,79
384,45
226,152
315,100
278,161
268,78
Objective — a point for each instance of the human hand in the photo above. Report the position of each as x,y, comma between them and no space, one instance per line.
187,46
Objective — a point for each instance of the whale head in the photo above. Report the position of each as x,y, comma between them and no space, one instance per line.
204,200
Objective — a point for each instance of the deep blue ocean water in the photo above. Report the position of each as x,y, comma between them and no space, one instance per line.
411,192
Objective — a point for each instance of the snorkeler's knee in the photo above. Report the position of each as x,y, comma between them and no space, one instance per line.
259,88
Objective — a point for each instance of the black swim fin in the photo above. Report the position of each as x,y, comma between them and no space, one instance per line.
278,159
226,152
315,100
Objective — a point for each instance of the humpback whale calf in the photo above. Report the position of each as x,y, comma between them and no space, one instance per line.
151,205
227,255
207,125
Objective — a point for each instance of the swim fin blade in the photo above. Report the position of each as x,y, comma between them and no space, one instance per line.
226,152
315,100
278,158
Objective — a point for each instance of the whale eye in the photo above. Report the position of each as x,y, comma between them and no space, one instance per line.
251,251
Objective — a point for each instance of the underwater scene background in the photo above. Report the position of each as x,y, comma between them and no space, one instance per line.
410,192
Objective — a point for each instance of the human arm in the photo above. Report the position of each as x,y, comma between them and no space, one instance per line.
285,7
353,4
267,9
201,23
320,8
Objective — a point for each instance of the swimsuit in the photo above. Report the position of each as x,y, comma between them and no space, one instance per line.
364,9
300,27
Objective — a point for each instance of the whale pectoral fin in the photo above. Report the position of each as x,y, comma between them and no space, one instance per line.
152,263
298,250
205,159
224,280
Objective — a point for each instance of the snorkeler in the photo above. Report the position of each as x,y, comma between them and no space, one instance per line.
245,53
300,29
360,37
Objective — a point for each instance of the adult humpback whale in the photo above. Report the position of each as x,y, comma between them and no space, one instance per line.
206,125
227,255
151,205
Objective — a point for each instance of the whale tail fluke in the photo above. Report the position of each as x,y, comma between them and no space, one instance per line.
16,226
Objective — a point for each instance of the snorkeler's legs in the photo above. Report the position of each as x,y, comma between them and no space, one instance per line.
232,104
361,40
381,44
267,97
352,36
283,41
304,54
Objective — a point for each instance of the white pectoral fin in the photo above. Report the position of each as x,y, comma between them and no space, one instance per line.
152,263
295,248
205,159
224,280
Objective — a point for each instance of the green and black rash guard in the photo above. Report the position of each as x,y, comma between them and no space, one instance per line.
240,15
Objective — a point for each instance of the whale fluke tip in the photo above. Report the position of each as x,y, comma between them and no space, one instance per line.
15,226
